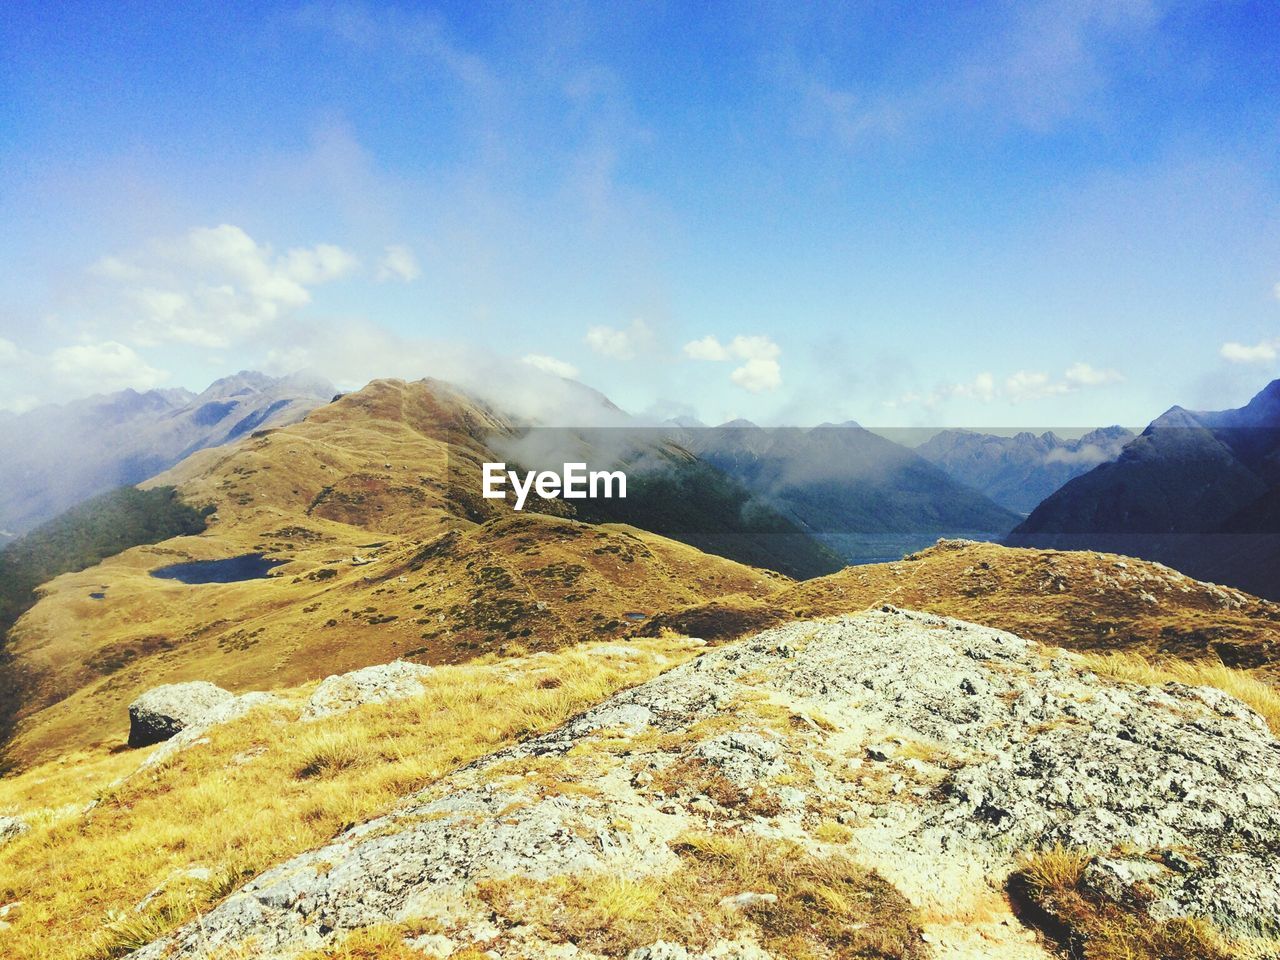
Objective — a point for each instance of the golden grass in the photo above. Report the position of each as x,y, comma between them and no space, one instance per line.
820,907
1093,927
265,788
1262,697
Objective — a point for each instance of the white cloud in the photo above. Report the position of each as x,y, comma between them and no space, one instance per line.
620,344
551,365
104,367
759,371
708,348
1033,385
758,375
8,351
398,263
1084,375
216,285
1018,387
1036,385
1263,352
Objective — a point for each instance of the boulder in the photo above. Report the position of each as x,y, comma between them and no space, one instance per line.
11,827
377,684
164,711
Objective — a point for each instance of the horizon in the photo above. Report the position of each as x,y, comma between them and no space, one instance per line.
943,216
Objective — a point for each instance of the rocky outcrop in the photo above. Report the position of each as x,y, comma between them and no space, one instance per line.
377,684
164,711
933,750
11,827
223,711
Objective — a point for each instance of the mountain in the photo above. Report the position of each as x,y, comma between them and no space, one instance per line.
53,457
863,495
371,506
1196,490
1020,471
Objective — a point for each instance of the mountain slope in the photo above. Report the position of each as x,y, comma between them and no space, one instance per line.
53,457
373,505
863,495
880,785
1081,600
1184,492
1018,472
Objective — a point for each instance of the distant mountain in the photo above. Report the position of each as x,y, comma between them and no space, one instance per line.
56,456
1198,490
1018,472
863,495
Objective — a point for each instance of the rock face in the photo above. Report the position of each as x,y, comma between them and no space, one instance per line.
378,684
933,750
164,711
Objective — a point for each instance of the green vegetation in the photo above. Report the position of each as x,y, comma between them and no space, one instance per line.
84,535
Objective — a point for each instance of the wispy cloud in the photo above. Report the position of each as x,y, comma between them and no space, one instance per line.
620,343
551,365
1048,63
1262,352
398,263
215,285
1020,386
759,370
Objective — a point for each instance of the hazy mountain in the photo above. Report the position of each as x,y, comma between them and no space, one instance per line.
1197,490
863,495
53,457
1018,472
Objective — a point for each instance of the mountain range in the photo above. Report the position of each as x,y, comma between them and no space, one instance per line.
59,455
1197,490
414,722
1020,471
861,494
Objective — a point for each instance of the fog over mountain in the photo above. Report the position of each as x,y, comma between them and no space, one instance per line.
862,494
1018,472
1197,490
55,456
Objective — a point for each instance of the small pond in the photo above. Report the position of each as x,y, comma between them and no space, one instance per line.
250,566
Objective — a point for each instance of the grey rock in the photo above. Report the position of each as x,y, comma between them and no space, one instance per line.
741,901
11,827
661,950
164,711
377,684
1039,752
194,733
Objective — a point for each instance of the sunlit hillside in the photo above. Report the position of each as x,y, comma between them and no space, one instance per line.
388,553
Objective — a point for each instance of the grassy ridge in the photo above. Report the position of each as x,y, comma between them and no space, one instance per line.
84,535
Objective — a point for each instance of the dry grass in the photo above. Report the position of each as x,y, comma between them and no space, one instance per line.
265,788
1258,694
822,906
1079,600
1050,886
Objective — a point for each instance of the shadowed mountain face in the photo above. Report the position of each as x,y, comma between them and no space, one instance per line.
54,457
863,495
1197,490
1019,472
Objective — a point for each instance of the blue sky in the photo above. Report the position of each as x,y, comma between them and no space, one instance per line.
996,214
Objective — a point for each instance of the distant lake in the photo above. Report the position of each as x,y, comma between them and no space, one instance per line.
249,566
